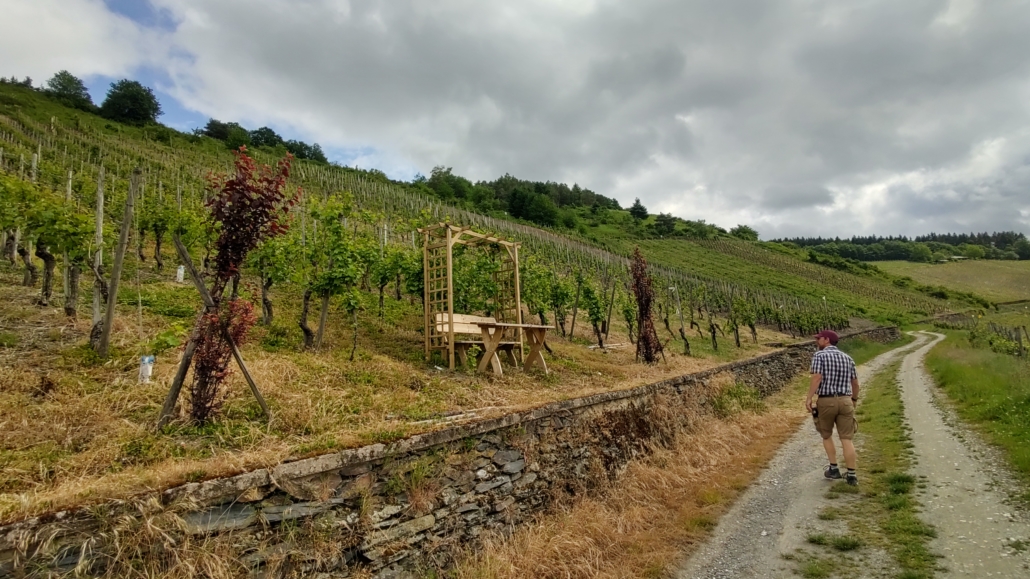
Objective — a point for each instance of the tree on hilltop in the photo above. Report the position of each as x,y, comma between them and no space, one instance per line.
238,137
131,103
265,137
216,129
638,211
69,90
1022,248
744,232
665,224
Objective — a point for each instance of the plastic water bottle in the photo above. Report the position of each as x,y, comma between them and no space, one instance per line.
146,368
180,274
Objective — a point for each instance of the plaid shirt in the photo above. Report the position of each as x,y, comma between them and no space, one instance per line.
837,370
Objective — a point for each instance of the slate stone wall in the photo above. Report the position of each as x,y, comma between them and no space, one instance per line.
397,507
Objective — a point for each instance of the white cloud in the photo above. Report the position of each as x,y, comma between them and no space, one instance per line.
40,37
798,117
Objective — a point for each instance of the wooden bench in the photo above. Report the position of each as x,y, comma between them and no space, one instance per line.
466,325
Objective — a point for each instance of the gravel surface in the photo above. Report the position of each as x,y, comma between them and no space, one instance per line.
774,516
979,534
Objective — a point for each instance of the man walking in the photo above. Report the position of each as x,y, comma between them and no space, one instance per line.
835,381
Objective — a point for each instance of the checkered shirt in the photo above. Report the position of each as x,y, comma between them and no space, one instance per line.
837,370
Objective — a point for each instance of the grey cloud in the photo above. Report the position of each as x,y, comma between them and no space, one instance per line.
787,197
758,109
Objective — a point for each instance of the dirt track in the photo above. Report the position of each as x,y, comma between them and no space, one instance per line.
962,499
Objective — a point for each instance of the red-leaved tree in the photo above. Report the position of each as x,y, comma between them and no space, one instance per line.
247,208
648,344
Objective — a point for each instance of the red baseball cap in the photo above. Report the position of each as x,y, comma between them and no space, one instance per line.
829,335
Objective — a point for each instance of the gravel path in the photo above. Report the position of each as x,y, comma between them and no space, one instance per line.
774,516
965,497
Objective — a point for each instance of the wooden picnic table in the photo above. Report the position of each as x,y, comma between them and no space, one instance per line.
493,335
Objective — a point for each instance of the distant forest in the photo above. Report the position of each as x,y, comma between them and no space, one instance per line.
923,248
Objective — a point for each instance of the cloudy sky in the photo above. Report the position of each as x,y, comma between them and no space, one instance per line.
798,117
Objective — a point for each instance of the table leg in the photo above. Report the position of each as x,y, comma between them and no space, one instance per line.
491,340
536,337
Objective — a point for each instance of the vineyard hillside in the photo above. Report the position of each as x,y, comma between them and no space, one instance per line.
77,138
336,290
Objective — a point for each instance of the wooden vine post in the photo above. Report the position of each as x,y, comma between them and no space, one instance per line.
66,271
98,251
116,268
575,305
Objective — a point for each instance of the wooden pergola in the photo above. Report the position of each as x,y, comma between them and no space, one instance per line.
438,243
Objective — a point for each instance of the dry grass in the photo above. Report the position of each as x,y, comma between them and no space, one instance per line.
655,514
92,437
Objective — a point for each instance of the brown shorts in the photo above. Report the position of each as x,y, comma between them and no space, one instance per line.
839,411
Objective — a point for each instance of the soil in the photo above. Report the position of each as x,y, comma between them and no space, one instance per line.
966,498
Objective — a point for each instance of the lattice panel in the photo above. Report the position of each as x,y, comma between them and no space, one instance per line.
438,244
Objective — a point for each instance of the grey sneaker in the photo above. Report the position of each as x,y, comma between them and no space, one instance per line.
832,472
851,479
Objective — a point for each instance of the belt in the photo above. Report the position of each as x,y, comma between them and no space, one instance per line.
834,395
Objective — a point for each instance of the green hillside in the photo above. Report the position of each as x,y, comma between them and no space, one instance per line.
71,140
1001,281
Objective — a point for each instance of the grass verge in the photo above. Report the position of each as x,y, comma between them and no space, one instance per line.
661,508
990,391
882,512
862,350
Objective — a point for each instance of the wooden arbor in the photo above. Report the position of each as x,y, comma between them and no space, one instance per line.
438,243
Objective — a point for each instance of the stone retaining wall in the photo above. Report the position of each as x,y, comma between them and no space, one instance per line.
391,508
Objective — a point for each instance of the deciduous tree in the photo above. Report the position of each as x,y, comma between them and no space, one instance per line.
69,90
131,103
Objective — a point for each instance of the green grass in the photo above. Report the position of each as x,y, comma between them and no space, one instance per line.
990,391
817,568
1000,281
882,512
737,398
862,350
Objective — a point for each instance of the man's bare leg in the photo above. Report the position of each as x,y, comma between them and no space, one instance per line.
831,450
850,456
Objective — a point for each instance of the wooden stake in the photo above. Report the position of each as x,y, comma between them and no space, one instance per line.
98,253
116,269
575,306
65,274
209,304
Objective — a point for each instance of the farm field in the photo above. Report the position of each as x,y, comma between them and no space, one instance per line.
999,281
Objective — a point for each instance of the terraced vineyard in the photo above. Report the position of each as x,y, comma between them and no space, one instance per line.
361,378
68,141
743,262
